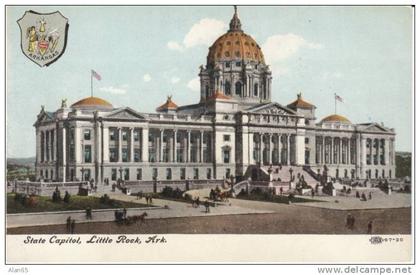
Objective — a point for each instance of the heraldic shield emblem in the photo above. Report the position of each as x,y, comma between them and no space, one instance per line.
43,36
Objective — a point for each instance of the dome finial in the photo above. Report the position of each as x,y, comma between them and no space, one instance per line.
235,23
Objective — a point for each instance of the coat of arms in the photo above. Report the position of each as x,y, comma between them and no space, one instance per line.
43,36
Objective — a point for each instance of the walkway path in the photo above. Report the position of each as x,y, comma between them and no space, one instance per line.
173,209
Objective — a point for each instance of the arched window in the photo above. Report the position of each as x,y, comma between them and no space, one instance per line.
238,88
256,89
227,88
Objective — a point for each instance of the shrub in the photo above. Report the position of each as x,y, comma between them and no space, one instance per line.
66,197
105,199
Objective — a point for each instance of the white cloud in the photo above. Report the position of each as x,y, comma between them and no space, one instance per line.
280,47
194,84
115,90
175,80
202,33
147,77
173,45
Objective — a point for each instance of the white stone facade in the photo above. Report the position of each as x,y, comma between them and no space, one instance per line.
224,134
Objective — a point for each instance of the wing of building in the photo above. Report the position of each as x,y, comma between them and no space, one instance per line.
234,128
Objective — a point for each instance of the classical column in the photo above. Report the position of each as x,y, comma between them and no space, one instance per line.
202,146
288,149
131,144
105,152
161,145
64,152
261,148
145,144
53,145
47,145
340,150
363,151
38,146
280,148
270,148
386,151
119,145
78,146
174,146
188,158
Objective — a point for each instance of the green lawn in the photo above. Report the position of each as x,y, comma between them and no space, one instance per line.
44,204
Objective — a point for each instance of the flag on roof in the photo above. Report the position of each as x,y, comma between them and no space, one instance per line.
96,75
337,97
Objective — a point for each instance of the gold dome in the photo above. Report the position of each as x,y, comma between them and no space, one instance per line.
235,45
92,101
336,118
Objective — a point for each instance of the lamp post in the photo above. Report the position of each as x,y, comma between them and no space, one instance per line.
83,174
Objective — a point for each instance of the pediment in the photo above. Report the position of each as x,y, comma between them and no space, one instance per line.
271,108
125,114
374,128
44,116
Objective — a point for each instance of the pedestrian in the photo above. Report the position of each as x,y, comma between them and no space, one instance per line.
357,194
151,199
370,227
364,197
312,192
370,195
68,224
281,191
348,221
197,201
89,213
124,213
73,226
207,205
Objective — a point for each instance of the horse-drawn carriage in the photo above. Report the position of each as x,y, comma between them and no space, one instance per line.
122,218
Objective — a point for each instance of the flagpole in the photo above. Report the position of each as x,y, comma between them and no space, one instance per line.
91,85
335,103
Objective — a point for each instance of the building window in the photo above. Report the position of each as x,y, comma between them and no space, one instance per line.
114,174
227,88
238,88
207,91
168,173
136,154
196,173
155,173
41,173
46,174
113,134
113,155
208,173
227,64
136,135
87,174
226,156
52,174
71,152
126,174
124,152
227,174
139,174
86,134
256,89
182,173
238,64
226,137
124,135
88,153
306,140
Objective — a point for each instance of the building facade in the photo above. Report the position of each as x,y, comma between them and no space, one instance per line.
235,126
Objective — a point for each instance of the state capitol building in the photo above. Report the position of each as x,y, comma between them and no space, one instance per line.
234,128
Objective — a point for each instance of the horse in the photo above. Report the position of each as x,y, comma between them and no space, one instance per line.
133,219
224,196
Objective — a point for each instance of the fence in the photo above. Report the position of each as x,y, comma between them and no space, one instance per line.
45,188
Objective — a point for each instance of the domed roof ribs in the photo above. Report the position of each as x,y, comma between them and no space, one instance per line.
235,23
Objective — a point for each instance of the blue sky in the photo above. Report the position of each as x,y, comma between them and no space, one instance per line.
364,54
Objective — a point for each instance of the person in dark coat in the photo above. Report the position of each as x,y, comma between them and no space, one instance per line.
72,226
68,224
370,227
124,213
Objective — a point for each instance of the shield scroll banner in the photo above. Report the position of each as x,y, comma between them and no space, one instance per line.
43,36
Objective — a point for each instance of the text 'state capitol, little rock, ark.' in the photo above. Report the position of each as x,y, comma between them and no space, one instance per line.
235,133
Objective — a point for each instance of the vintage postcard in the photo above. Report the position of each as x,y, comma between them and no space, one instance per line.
209,134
